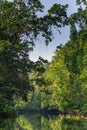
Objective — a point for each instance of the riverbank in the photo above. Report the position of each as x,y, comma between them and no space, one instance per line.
46,112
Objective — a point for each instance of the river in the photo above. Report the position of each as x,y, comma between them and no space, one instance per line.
40,122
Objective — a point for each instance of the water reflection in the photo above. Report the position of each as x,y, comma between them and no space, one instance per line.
38,122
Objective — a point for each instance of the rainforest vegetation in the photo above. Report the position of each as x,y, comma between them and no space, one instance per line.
60,84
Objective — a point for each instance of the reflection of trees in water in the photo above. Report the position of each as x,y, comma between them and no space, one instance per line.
64,123
73,123
38,122
7,124
29,122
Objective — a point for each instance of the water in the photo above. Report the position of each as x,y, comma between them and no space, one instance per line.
38,122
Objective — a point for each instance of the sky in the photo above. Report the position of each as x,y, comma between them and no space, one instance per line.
48,51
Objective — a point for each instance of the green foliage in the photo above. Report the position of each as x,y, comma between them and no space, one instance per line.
60,84
38,122
57,75
19,20
20,26
66,75
79,2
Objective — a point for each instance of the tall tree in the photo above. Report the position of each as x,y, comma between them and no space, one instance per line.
20,26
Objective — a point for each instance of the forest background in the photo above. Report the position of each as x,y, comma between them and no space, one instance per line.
60,84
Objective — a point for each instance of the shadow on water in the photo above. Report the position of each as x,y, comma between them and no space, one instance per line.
38,122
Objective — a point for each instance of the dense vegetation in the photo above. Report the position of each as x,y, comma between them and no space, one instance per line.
61,84
38,122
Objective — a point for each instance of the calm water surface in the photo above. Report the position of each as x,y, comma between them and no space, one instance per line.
38,122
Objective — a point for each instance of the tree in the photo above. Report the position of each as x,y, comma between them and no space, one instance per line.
57,77
70,87
20,26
